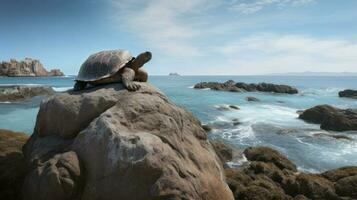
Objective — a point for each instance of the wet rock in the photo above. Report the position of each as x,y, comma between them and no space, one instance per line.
310,185
19,93
339,137
223,150
265,177
242,87
266,154
207,127
236,122
340,173
347,186
12,164
26,67
348,93
331,118
234,107
222,107
299,112
252,99
131,145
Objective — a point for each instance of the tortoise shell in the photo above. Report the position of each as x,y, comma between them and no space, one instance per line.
103,65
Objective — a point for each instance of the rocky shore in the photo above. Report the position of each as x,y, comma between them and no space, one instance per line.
18,93
26,67
331,118
232,86
109,143
348,93
268,175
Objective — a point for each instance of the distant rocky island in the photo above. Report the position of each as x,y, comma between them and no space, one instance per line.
27,67
174,74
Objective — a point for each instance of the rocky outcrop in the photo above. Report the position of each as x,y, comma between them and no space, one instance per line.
19,93
331,118
109,143
12,164
27,67
269,175
243,87
348,93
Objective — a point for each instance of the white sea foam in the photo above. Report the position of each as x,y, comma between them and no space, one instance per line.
191,87
5,102
61,89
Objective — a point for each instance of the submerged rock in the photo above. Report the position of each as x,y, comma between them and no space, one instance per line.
331,118
269,175
26,67
243,87
12,164
234,107
19,93
348,93
130,145
252,99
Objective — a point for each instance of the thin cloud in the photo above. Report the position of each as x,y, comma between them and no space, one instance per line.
190,36
263,53
249,7
163,24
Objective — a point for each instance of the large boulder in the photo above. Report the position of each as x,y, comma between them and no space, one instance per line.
348,93
331,118
12,164
122,145
19,92
26,67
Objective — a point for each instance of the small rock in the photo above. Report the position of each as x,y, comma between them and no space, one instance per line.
348,93
234,107
207,127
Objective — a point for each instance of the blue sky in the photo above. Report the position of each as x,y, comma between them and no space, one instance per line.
193,37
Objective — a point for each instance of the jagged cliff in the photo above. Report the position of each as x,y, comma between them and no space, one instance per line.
27,67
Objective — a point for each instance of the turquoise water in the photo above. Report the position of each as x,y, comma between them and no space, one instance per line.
271,122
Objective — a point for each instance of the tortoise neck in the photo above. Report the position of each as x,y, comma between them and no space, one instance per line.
140,60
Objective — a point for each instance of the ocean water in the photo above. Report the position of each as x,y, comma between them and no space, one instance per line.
271,122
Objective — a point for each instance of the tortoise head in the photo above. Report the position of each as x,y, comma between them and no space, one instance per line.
140,60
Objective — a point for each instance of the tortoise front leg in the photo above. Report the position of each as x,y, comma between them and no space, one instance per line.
127,78
141,76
